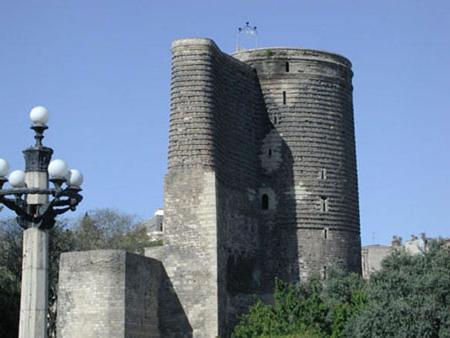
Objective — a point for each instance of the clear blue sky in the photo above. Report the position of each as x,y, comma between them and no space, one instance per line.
103,70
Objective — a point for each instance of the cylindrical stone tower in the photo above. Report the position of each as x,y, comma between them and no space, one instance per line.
308,96
261,181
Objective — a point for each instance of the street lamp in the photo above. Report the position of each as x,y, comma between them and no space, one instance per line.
36,206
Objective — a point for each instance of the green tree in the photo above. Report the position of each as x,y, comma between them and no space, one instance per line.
110,229
10,272
409,297
311,309
98,229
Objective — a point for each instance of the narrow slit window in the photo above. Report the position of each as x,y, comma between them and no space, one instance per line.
270,152
324,272
325,233
324,204
275,120
284,97
265,202
287,67
323,174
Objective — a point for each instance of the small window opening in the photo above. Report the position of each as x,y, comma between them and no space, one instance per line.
324,204
270,152
287,67
275,120
265,202
284,97
323,174
324,272
325,233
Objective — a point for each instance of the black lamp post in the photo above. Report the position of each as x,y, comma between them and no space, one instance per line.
37,205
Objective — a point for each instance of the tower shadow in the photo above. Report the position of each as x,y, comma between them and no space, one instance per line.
173,321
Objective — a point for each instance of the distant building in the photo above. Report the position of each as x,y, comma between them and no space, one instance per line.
373,255
155,225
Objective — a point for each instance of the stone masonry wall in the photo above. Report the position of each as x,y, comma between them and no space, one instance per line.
108,293
211,207
261,179
308,95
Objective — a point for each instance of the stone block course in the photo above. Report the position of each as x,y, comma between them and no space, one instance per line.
108,293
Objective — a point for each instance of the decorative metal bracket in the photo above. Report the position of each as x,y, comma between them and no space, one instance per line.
65,196
40,216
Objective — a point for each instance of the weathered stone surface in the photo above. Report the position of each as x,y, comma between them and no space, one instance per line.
34,287
37,179
109,293
261,178
372,256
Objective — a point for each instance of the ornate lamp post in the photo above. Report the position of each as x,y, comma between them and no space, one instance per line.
37,205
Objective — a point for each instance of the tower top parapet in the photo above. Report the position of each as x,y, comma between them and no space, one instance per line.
291,53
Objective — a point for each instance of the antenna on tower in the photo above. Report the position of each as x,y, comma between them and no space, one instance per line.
247,37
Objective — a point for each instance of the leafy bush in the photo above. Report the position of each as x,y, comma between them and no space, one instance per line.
409,297
313,309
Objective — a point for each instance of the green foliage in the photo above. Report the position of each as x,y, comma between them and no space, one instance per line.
312,309
109,229
9,302
10,271
345,295
409,297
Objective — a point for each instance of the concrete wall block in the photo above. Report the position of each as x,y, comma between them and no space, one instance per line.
108,293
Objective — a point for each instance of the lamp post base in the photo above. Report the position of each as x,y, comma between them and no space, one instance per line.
34,290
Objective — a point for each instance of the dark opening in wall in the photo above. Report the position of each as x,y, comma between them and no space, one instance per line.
325,233
323,174
323,204
287,67
270,152
284,97
275,120
265,202
324,272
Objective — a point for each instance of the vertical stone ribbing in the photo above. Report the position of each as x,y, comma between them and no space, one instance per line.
191,128
190,207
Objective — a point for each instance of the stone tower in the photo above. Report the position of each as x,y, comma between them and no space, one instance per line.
261,179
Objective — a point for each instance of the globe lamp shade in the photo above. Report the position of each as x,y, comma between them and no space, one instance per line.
4,168
39,115
76,178
58,169
17,179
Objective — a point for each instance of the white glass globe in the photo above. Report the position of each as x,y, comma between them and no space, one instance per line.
17,179
4,168
39,115
58,169
76,177
68,176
